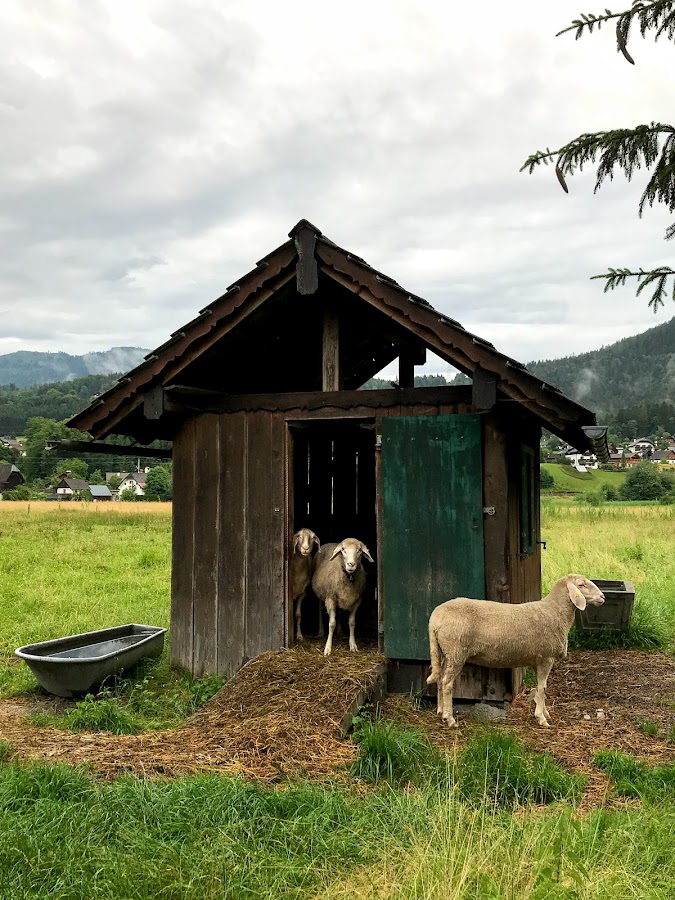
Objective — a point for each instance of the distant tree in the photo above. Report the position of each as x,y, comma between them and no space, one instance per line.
20,492
96,477
645,482
39,462
650,147
158,484
545,479
127,494
114,482
76,466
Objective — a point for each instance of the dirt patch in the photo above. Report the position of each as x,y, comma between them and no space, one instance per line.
627,687
280,717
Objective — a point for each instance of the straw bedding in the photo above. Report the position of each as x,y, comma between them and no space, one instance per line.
279,717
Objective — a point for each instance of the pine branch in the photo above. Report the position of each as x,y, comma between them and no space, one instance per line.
657,16
646,277
624,149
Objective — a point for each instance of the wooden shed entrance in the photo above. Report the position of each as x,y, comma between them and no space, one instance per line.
333,493
259,394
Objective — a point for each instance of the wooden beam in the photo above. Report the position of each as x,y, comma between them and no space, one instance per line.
331,377
111,449
306,269
184,400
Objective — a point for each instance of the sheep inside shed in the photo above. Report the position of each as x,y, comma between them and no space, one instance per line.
504,635
339,580
301,567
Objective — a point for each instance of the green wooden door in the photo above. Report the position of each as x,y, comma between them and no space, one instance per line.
432,523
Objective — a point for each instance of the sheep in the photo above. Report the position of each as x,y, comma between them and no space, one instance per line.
301,567
339,580
503,635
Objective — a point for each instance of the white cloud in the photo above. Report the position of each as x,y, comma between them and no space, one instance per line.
153,150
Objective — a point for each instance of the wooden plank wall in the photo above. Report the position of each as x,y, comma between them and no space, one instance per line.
229,534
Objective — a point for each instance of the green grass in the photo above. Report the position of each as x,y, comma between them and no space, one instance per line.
212,838
567,479
619,544
415,825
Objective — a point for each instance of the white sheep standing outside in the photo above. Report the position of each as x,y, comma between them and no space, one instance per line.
339,581
301,567
505,635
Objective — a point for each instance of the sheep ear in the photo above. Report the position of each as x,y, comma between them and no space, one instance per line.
576,596
316,541
296,541
366,552
335,552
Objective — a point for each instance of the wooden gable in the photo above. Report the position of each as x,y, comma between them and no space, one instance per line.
311,317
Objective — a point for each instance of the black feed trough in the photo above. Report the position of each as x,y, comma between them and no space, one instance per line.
74,665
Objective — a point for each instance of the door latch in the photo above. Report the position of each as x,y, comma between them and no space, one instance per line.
489,510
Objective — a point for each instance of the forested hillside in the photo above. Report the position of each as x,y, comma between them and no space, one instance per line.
631,373
50,401
27,367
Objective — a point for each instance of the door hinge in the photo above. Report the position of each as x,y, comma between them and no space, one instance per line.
489,510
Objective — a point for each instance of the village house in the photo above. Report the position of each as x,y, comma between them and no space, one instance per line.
134,481
67,486
663,456
10,477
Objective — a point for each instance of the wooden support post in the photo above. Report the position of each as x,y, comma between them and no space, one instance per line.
331,375
153,402
484,391
407,360
306,270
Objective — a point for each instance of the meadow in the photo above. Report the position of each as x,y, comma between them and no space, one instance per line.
496,821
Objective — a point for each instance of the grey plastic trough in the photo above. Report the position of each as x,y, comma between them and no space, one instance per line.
74,665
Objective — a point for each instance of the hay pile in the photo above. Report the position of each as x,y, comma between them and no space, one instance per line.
279,717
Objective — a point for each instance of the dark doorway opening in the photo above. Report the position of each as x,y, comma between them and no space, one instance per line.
334,494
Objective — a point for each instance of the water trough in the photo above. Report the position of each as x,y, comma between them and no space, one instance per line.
74,665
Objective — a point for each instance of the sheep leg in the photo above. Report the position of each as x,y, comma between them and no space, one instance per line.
330,609
449,672
321,628
298,616
352,624
544,667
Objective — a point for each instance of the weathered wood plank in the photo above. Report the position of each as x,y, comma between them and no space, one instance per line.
207,544
181,398
484,389
232,544
182,547
265,538
306,270
331,378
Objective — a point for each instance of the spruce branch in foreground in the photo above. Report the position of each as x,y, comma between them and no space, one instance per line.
627,150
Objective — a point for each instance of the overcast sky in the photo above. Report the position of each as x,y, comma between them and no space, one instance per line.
153,150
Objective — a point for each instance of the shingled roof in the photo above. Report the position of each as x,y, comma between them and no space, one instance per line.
310,267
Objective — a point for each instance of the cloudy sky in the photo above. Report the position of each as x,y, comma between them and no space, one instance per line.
152,150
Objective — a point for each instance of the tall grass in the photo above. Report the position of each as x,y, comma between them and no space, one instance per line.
618,544
208,837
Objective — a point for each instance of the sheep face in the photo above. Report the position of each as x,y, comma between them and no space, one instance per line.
304,540
583,592
352,551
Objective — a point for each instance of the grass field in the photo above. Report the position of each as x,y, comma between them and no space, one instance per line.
424,835
568,480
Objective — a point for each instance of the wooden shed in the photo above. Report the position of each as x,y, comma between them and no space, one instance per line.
259,394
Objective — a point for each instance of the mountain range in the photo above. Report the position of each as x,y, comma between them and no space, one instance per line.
635,370
614,381
26,368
